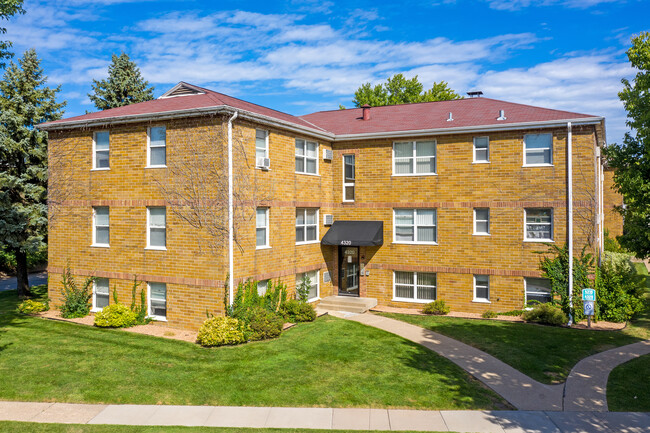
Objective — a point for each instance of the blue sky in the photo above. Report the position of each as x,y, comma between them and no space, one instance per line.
306,56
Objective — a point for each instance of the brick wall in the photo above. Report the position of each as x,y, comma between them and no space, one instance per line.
613,220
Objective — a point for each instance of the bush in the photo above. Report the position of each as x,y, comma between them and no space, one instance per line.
8,259
115,316
247,298
30,307
619,289
75,299
547,314
489,314
295,311
438,308
512,313
611,244
264,324
221,331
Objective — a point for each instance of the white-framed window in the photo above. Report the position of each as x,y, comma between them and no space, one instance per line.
348,177
262,227
481,221
101,293
539,225
157,228
481,288
415,226
313,281
306,225
306,156
261,145
537,290
262,287
482,149
414,157
414,286
157,146
538,149
157,301
101,150
101,226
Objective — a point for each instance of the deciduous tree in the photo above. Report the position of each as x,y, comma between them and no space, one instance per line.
123,86
399,90
8,8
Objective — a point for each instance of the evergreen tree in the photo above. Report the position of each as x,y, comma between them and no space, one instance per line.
399,90
25,101
8,8
124,85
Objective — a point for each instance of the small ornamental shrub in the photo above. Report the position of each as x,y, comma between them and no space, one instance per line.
295,311
547,314
115,316
221,331
76,299
30,307
302,289
264,324
489,314
512,313
438,308
619,289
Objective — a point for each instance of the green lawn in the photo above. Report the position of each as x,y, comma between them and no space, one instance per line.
330,362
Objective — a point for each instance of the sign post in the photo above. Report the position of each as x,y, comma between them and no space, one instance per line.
588,300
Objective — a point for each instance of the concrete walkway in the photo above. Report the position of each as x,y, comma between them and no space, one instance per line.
35,279
328,418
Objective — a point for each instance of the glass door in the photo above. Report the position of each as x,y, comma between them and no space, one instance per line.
349,271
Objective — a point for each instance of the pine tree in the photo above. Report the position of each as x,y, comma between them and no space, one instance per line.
124,85
25,101
8,8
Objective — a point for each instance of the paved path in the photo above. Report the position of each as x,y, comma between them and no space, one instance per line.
35,279
328,418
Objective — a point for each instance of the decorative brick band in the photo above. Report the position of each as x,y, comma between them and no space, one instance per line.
454,270
286,272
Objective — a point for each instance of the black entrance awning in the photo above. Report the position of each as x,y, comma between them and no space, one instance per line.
355,233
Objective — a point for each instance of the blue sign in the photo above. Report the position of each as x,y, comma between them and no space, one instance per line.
588,308
588,295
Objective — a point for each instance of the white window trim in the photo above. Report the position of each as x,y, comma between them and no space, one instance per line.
414,157
352,184
317,298
151,316
266,149
94,155
305,157
476,232
149,246
481,300
305,226
538,165
149,147
415,227
95,244
267,245
526,291
552,226
474,160
415,300
94,308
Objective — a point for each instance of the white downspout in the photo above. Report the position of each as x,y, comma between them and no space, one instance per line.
231,226
599,220
569,167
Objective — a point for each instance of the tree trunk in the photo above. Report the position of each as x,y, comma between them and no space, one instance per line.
21,274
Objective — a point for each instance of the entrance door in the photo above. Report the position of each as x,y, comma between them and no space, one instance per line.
349,271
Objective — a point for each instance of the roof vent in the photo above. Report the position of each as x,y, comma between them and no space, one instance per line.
502,115
450,118
366,112
475,94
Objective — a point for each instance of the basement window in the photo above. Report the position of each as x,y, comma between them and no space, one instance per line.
313,284
158,301
539,225
101,293
414,286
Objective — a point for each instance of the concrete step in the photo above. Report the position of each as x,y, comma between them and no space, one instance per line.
347,304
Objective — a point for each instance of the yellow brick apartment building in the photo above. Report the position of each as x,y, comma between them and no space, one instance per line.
402,204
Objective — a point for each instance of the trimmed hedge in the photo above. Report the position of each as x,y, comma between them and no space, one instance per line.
437,308
116,316
221,331
295,311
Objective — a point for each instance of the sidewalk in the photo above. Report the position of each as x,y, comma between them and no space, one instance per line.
329,419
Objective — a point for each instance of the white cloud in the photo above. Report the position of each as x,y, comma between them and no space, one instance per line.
513,5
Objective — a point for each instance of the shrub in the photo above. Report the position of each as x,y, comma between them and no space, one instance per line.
221,331
489,314
619,289
246,298
30,307
295,311
115,316
75,299
611,244
302,290
438,308
547,314
512,313
264,324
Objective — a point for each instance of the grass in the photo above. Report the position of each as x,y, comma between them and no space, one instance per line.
330,362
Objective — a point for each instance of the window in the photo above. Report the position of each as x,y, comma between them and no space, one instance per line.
157,227
101,144
481,149
414,157
101,293
262,287
306,157
481,288
538,290
262,227
306,225
415,226
261,145
348,177
414,286
313,284
539,224
157,146
481,221
101,229
539,149
158,301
